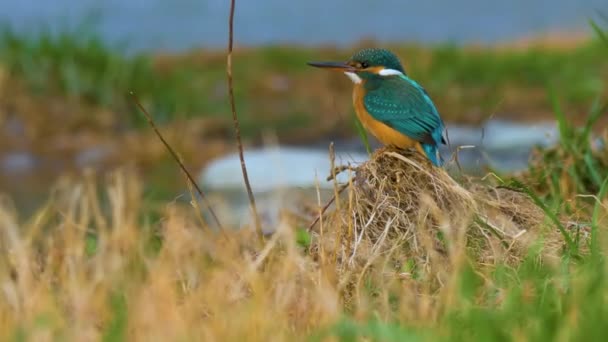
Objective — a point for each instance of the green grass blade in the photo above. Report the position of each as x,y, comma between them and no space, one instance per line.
585,142
595,252
372,330
578,181
117,329
552,216
591,166
600,33
564,128
594,114
491,229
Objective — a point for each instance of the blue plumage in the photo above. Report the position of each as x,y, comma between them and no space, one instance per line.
393,99
402,104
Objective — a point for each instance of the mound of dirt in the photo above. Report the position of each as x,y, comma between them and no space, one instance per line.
401,211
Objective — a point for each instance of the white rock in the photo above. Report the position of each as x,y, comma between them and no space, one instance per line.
501,135
276,168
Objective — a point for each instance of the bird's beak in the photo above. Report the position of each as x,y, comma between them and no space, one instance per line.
335,66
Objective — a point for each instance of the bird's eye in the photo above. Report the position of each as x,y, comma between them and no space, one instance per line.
364,65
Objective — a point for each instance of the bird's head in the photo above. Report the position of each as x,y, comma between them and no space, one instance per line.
366,64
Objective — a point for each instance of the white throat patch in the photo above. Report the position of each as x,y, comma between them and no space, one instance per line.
389,72
354,77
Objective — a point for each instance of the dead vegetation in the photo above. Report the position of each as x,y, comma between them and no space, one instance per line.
415,222
91,264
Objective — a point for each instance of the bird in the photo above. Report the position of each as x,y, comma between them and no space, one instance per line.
389,104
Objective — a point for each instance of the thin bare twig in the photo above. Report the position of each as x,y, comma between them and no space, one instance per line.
326,206
334,174
177,159
237,130
457,154
339,169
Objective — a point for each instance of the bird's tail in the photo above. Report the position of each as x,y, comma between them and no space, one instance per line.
432,152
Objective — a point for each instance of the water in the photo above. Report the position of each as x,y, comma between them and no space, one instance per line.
279,174
499,144
184,24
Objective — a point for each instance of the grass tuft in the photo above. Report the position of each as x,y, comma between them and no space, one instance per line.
407,215
577,164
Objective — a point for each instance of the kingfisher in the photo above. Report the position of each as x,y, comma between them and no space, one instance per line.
389,104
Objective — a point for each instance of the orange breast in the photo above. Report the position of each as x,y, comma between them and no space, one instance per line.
382,132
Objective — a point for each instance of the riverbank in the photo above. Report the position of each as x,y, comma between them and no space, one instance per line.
65,103
86,84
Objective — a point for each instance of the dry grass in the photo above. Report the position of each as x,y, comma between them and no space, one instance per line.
413,222
88,266
80,267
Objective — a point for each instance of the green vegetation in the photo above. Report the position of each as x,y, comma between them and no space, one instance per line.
83,67
579,163
277,91
580,155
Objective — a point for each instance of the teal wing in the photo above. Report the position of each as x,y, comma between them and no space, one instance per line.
403,105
